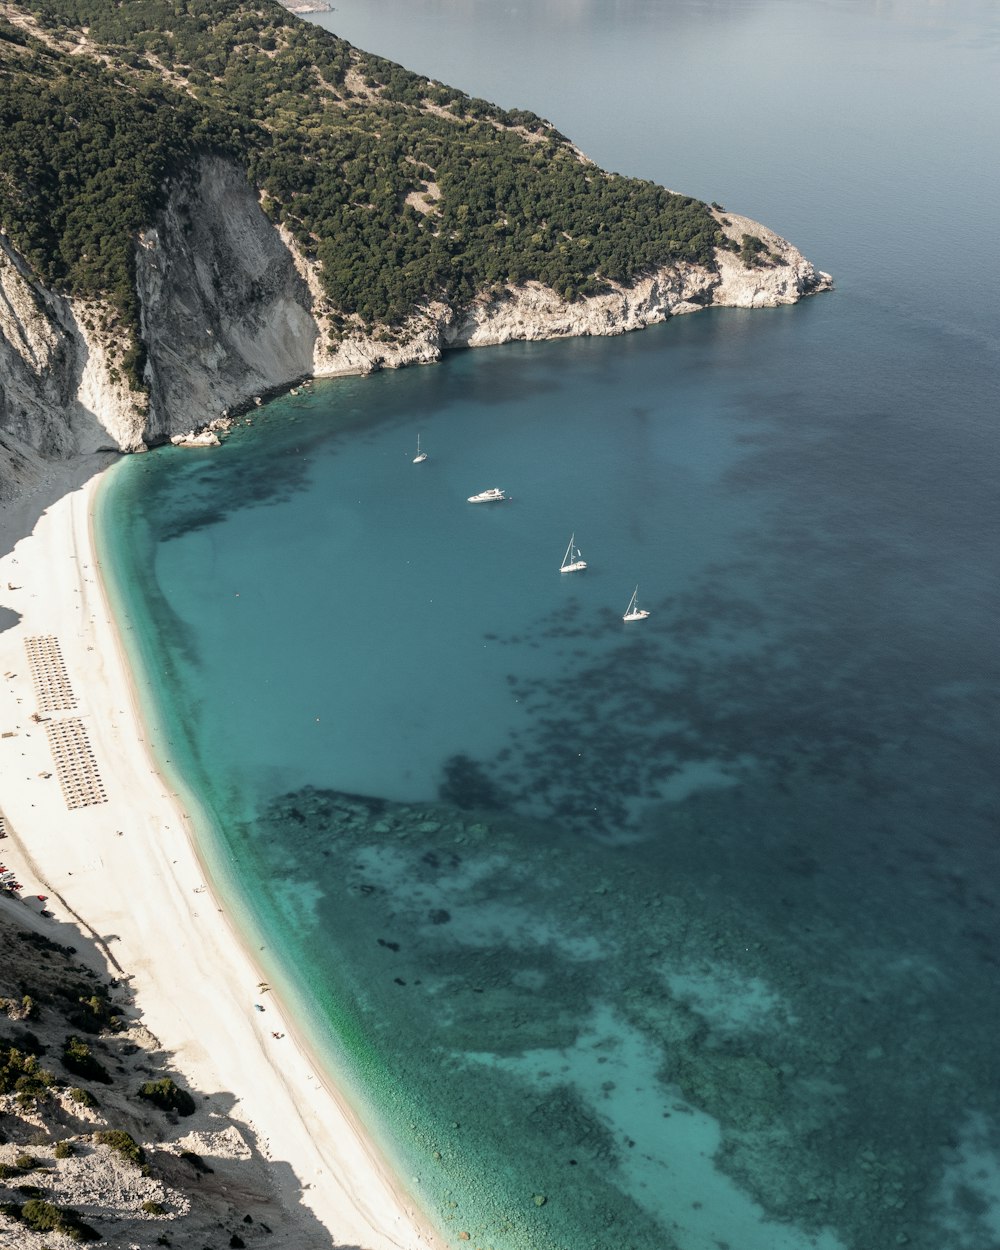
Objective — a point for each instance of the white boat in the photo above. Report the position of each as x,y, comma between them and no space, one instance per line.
571,561
633,612
493,495
421,456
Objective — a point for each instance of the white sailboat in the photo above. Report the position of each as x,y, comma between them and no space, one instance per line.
633,612
421,456
571,561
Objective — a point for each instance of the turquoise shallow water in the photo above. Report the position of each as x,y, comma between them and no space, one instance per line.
681,934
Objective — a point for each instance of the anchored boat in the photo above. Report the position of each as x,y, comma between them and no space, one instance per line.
633,612
572,561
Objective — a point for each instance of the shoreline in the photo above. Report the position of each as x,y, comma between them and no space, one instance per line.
127,888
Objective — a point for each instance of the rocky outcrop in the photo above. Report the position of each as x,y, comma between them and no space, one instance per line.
532,311
781,275
231,309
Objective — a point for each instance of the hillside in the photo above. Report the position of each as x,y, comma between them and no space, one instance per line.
203,201
403,189
97,1141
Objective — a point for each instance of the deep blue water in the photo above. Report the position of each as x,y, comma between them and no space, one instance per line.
681,933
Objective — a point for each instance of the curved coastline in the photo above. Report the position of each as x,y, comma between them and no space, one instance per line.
129,885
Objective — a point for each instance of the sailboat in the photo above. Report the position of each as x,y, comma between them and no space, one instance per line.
421,456
571,562
633,612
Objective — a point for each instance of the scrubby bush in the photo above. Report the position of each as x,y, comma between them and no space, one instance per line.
123,1144
23,1075
26,1009
44,1217
64,1149
78,1059
168,1096
751,249
90,1010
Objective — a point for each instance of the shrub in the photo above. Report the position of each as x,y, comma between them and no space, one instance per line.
64,1149
44,1217
26,1009
168,1096
26,1162
21,1074
154,1208
82,1096
78,1059
751,249
123,1144
91,1012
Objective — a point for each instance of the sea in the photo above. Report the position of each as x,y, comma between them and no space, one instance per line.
681,933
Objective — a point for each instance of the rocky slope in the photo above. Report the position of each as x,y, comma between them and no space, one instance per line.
76,1134
231,309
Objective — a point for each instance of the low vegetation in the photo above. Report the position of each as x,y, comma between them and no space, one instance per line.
44,1217
78,1058
752,250
22,1074
83,1097
123,1144
168,1096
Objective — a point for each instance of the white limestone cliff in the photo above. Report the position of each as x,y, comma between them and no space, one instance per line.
62,392
225,314
230,309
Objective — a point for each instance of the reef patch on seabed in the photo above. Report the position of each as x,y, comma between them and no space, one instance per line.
593,1046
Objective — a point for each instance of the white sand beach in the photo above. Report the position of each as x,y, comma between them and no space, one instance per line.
122,878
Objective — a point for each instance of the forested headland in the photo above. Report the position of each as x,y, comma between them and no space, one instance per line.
403,189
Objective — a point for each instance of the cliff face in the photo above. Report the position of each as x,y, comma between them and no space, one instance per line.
61,393
230,309
225,314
